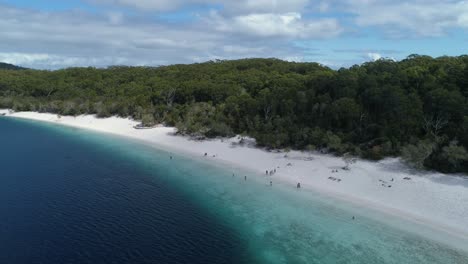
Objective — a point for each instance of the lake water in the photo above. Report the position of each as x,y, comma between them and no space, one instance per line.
73,196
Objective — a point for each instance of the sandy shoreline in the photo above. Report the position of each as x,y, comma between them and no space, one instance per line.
430,198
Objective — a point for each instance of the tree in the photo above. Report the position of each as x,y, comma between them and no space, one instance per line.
415,155
266,104
334,142
434,124
371,109
148,120
454,154
346,112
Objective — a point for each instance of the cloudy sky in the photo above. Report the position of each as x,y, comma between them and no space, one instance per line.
56,33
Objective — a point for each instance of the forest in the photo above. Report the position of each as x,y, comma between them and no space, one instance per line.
415,108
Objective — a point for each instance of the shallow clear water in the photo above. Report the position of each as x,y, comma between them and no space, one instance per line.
81,197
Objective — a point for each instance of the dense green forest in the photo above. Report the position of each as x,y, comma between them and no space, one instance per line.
10,66
416,108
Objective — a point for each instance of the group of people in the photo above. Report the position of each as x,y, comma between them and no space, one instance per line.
298,185
334,179
206,155
267,172
385,184
271,172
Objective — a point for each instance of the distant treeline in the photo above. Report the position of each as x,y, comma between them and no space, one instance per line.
416,108
7,66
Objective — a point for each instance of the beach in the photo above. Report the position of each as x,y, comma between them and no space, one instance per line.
428,198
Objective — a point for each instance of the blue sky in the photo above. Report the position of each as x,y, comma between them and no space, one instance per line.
337,33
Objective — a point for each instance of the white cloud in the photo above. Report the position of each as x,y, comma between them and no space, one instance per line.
377,56
52,61
237,29
265,6
148,5
23,58
229,6
293,58
115,18
414,17
242,50
277,25
374,56
76,38
35,39
324,6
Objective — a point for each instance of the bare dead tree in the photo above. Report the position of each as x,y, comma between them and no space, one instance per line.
267,112
434,124
360,128
51,91
169,96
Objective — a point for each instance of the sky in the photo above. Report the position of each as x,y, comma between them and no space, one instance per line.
337,33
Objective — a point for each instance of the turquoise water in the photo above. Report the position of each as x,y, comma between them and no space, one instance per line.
230,220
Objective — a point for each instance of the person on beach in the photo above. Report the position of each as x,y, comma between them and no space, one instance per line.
206,154
245,178
298,185
353,217
271,183
171,157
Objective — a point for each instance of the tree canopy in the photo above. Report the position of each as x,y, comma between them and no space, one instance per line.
7,66
374,110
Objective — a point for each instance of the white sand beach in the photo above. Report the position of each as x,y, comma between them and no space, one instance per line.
430,198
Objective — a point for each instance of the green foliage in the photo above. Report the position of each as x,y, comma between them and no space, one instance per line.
333,142
7,66
202,119
416,155
454,154
148,120
370,110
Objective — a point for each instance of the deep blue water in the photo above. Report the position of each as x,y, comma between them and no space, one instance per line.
64,199
72,196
